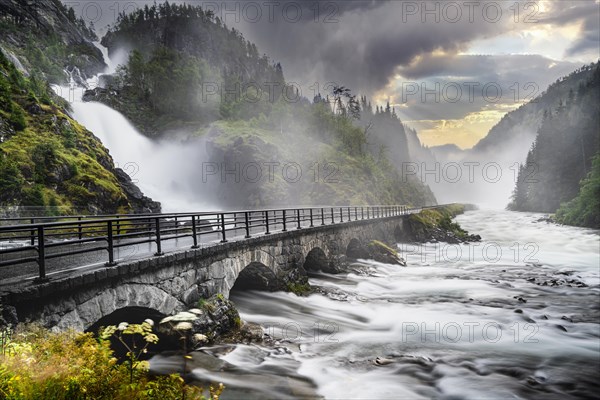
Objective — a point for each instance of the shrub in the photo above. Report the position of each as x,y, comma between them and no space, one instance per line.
38,364
17,118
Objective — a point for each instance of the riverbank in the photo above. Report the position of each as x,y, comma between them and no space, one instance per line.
436,225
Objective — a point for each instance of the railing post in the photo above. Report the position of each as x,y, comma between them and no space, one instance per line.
311,218
41,256
79,229
298,218
118,226
247,225
332,216
111,248
355,213
32,232
194,233
362,212
349,215
267,223
223,234
322,216
158,243
341,214
283,218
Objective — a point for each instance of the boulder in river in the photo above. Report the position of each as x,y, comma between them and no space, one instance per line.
381,252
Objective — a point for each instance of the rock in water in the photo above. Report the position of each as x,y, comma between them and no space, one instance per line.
213,318
383,253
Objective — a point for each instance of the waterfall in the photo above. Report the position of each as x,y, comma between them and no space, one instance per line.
164,170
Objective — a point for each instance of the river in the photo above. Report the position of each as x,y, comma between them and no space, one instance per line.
485,321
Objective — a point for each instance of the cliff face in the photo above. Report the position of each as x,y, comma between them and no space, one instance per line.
48,39
49,164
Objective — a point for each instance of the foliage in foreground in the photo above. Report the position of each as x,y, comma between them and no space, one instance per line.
38,364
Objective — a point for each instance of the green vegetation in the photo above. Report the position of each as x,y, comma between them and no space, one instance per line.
38,364
562,155
382,247
584,210
299,289
381,252
46,158
437,224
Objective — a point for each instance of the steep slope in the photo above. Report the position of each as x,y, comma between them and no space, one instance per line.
517,129
47,39
561,156
49,164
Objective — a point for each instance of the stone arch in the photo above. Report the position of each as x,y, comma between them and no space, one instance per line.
226,272
256,276
316,260
355,249
86,314
399,234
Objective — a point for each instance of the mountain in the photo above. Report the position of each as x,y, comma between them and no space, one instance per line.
49,164
517,129
188,75
562,154
45,37
186,68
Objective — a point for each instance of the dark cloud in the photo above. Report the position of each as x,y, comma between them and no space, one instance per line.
365,47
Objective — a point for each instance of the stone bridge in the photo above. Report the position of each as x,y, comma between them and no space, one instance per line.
172,282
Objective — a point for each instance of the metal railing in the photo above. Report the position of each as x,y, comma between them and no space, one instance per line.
44,238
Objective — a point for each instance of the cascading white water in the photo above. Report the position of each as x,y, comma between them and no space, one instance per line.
166,171
493,322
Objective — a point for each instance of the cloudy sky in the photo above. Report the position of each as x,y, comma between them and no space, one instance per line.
451,69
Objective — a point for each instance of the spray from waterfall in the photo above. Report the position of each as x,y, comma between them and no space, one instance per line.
164,170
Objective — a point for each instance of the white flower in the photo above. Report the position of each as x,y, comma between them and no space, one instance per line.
149,322
196,311
200,337
183,326
166,319
184,316
122,326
